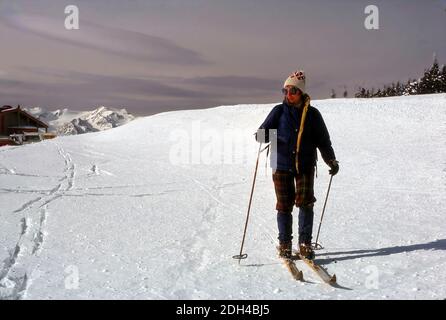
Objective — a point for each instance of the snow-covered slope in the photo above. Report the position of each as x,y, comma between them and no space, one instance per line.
131,213
69,122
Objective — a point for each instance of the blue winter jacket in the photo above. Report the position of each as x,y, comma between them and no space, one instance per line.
286,119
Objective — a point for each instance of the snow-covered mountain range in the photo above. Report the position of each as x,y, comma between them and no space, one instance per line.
155,209
69,122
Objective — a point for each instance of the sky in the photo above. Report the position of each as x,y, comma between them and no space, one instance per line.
155,56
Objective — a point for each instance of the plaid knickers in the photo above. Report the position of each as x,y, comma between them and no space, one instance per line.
290,193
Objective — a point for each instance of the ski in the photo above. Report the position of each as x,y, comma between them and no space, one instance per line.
319,270
292,268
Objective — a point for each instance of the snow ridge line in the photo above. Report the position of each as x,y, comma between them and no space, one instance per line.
14,275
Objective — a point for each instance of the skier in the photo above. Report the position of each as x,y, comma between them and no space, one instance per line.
300,130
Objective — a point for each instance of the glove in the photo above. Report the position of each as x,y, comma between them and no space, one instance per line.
334,167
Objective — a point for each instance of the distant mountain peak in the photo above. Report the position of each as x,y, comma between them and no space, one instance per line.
69,122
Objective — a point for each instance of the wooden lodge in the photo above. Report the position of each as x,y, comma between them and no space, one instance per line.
18,126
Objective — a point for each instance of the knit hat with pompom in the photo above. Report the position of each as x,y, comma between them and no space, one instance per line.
296,79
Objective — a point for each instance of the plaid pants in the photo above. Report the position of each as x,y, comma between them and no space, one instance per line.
293,189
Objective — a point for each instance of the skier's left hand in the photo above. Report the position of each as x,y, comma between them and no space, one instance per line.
334,167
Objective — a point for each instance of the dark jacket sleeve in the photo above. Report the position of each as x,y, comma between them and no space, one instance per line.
323,139
271,122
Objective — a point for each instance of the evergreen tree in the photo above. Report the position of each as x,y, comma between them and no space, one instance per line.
392,90
443,79
435,77
414,87
361,93
406,90
433,81
424,83
430,82
398,89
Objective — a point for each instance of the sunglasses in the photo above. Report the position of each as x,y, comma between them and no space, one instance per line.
292,91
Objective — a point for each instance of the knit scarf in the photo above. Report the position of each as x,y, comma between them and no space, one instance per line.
306,104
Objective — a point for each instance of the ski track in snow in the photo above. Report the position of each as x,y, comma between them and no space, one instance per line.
16,271
202,256
198,261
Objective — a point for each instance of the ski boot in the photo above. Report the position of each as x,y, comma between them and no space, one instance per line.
306,251
284,249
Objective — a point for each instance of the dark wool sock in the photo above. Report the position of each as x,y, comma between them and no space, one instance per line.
285,224
306,215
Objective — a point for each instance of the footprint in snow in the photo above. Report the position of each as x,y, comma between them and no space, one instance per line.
95,170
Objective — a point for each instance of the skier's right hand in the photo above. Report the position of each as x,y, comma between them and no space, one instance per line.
334,167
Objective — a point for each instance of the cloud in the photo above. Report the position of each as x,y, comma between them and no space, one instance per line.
138,106
237,82
108,40
87,84
146,96
7,84
173,87
84,90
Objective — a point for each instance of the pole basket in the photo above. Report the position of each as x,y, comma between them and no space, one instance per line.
317,246
240,256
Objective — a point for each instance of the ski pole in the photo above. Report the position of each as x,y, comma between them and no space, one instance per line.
241,255
316,244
